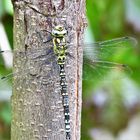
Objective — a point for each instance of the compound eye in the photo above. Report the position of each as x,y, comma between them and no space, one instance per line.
66,32
56,34
60,28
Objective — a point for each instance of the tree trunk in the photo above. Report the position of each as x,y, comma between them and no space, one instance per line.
37,109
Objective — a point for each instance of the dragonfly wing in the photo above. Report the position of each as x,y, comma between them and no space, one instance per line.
7,55
105,50
39,58
100,69
40,70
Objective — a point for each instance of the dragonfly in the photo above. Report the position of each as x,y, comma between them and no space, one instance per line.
95,55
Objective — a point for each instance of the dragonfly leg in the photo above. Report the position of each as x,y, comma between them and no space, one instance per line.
49,38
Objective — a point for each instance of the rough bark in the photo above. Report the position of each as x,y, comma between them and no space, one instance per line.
37,111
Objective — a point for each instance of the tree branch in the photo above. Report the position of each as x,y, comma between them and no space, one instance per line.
37,107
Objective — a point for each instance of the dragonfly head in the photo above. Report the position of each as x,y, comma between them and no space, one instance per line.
59,31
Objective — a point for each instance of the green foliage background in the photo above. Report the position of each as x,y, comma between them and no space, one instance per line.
107,19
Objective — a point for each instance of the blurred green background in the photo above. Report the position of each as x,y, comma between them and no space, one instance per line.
110,107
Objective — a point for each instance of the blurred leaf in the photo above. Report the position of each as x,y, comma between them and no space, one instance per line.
137,3
5,113
8,7
1,8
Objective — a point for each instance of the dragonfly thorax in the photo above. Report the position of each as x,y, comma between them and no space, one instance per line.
59,31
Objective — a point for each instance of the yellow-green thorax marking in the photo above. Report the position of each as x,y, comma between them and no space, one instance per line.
59,43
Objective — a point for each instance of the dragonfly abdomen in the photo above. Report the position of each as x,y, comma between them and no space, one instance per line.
65,97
